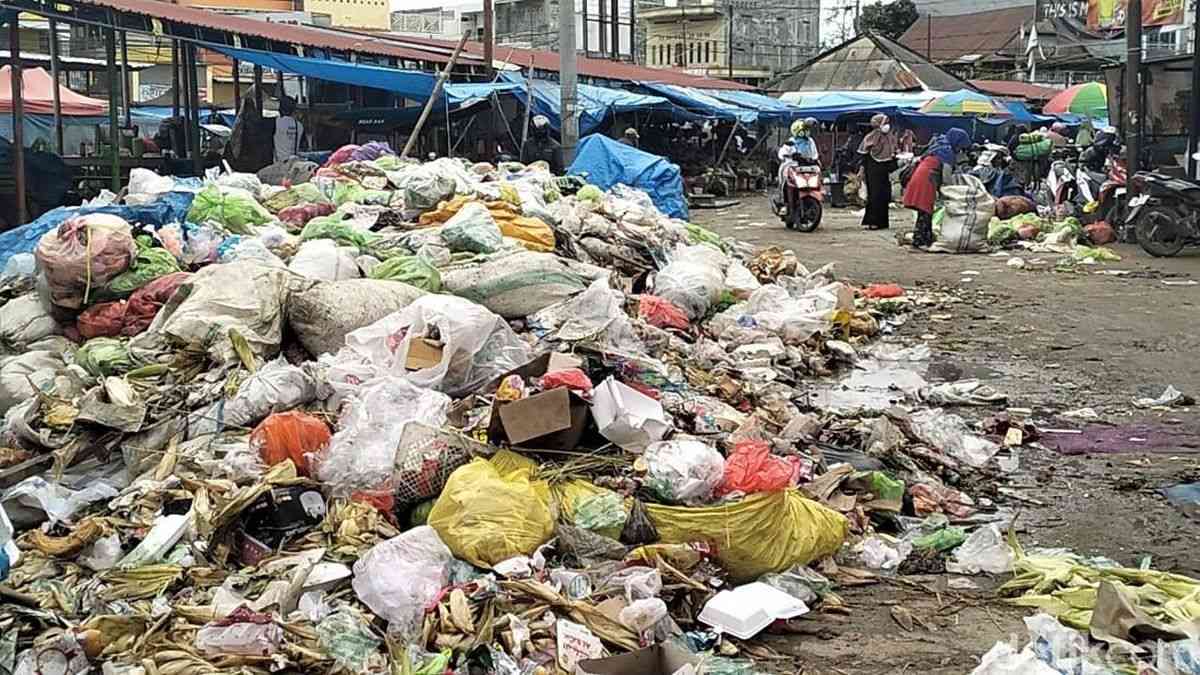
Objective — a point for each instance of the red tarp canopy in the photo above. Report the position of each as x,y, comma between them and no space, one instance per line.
38,92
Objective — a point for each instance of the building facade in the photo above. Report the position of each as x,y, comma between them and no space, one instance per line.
745,40
603,28
369,14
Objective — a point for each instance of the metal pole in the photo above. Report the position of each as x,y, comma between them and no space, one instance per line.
729,39
616,30
175,84
929,38
437,90
194,103
568,78
18,115
126,97
1194,140
528,108
258,89
489,47
110,48
54,75
187,77
1131,99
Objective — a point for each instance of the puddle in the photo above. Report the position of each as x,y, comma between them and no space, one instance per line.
951,371
1099,438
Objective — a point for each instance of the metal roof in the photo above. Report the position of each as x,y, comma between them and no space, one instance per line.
868,62
1014,89
985,35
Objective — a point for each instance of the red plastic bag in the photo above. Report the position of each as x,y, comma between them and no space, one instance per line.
752,468
571,378
661,313
104,320
877,291
341,155
146,301
289,435
1100,233
300,214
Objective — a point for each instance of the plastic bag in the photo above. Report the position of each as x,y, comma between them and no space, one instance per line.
332,227
950,434
104,356
20,374
640,616
324,260
106,319
985,550
603,513
322,314
472,229
302,194
740,281
661,313
969,208
486,516
639,529
20,269
82,255
397,578
423,187
683,472
150,263
517,285
289,435
694,280
410,269
477,346
752,468
362,454
23,321
300,214
232,208
145,302
572,378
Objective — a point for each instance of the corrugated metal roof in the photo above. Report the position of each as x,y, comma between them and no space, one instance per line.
979,36
867,63
1011,89
588,67
308,36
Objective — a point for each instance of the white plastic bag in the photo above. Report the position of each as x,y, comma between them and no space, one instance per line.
740,280
694,279
642,615
362,454
950,434
986,550
398,577
35,499
323,313
969,209
276,387
20,268
40,367
683,472
595,318
477,345
324,260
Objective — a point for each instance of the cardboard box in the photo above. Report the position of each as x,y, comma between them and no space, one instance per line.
551,420
663,659
422,354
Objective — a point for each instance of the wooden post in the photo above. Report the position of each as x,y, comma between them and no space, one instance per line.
18,114
194,104
54,75
736,124
110,48
237,85
258,88
175,79
528,108
437,90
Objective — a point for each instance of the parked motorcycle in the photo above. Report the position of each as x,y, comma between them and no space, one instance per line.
803,195
1165,213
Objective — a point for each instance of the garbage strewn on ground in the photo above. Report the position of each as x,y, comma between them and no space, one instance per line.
442,417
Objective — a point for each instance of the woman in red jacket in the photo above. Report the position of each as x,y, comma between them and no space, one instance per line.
931,173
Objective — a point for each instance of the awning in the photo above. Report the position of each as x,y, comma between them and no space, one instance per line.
596,104
829,106
768,107
696,101
37,89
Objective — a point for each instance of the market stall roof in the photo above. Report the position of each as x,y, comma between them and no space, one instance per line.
768,107
829,106
595,103
868,62
1012,89
37,91
72,63
698,102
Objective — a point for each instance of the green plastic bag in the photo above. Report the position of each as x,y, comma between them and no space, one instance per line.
232,208
347,638
328,227
941,540
412,270
473,229
700,235
104,356
304,193
151,263
888,492
603,513
590,193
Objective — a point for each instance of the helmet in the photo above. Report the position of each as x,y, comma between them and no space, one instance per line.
812,124
632,133
540,121
1058,128
799,129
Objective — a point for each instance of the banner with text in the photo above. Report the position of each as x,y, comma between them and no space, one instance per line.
1110,14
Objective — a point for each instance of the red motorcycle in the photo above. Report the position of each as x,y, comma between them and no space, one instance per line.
803,195
1113,198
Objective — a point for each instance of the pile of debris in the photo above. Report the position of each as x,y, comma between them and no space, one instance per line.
434,417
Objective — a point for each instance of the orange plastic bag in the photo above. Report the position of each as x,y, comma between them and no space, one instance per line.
752,468
661,313
289,435
878,291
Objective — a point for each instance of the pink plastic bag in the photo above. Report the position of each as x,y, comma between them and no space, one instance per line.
83,255
752,468
341,155
572,378
661,313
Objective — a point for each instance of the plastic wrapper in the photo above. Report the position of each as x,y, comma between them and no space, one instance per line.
640,616
950,434
740,281
297,195
477,346
324,260
300,214
342,232
242,633
322,314
985,550
82,255
150,263
472,229
423,186
410,269
362,454
694,279
106,319
104,356
145,302
603,513
752,468
683,472
347,638
24,321
639,528
289,435
397,578
661,313
517,285
571,378
232,208
486,516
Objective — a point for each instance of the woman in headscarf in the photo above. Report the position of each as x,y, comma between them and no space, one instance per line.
936,167
1086,133
879,161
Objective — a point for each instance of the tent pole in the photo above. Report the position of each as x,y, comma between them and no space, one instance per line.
18,114
126,94
237,85
437,90
721,158
194,104
461,136
500,111
54,74
174,79
528,108
446,103
110,48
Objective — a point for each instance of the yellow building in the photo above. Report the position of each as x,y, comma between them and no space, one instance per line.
371,14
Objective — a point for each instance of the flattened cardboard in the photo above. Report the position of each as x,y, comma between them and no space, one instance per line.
662,659
422,354
554,420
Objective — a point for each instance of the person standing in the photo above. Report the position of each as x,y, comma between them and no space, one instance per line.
288,131
631,138
934,170
878,149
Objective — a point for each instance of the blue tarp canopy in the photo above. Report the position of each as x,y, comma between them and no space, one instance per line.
829,106
769,109
607,162
696,101
595,103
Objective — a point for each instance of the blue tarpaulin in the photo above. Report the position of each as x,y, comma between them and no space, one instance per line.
607,162
769,109
596,104
696,101
829,106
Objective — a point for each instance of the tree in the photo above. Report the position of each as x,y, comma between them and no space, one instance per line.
889,20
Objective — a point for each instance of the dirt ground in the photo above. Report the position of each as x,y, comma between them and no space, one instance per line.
1053,341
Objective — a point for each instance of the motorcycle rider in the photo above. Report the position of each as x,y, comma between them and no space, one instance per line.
1107,142
799,148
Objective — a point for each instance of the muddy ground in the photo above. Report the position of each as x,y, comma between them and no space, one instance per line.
1054,341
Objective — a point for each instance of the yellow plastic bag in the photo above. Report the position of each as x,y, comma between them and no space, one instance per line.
531,233
764,532
485,515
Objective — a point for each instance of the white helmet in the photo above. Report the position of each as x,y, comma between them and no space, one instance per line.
540,121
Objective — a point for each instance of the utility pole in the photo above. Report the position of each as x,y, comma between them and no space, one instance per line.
1131,99
17,73
54,75
489,38
568,78
929,38
729,38
1194,137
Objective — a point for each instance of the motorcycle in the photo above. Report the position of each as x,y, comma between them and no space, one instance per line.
1165,213
1112,198
1063,179
803,195
992,168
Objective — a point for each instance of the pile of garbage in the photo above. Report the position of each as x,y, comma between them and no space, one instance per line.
439,417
